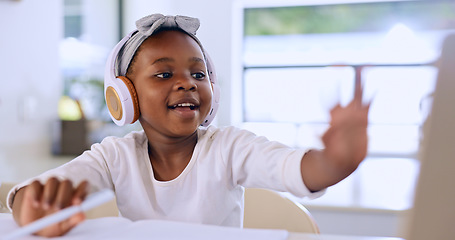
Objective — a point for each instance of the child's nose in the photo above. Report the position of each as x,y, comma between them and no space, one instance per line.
186,83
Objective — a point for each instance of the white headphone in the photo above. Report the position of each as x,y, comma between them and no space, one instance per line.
121,97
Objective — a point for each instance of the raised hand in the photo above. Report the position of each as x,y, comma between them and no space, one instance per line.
36,201
345,146
346,139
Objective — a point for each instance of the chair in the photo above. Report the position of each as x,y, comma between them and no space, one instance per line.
263,209
4,189
108,209
269,209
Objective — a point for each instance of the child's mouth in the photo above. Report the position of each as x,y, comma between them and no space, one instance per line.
183,106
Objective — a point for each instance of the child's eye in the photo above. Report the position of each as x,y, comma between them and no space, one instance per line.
164,75
198,75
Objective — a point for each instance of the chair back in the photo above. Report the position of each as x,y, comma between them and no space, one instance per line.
108,209
4,189
271,210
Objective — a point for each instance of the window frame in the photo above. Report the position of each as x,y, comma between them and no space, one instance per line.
239,68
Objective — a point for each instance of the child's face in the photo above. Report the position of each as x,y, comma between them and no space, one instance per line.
171,80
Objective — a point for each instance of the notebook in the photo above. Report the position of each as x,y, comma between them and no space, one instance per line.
122,228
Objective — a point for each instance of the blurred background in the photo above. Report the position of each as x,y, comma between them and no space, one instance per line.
281,65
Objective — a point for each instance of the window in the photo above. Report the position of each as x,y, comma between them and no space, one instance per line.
91,30
298,61
73,18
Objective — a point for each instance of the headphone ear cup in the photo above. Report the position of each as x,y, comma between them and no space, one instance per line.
215,90
132,90
113,102
121,100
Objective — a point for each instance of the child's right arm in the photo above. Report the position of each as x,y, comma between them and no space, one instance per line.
36,200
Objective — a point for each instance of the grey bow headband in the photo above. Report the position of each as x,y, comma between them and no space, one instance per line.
148,25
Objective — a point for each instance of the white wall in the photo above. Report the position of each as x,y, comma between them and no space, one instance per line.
30,34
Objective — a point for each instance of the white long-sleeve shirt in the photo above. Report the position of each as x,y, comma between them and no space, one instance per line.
210,188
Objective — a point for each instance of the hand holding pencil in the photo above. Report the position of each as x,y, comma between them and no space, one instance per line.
36,201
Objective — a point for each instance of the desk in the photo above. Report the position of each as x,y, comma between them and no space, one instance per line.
120,228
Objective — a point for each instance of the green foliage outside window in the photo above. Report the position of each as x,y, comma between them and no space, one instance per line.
359,17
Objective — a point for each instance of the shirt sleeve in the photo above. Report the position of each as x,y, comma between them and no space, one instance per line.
260,163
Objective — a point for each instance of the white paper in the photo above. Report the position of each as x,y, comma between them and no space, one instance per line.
121,228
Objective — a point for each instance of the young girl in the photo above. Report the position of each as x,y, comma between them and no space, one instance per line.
174,169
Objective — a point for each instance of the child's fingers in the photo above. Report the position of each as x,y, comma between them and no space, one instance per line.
76,219
35,191
335,109
77,196
31,208
70,223
358,96
80,192
64,194
366,107
358,88
49,192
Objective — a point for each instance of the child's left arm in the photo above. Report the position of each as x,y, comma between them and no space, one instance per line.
345,144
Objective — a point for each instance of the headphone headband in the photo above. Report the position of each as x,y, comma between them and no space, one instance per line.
110,64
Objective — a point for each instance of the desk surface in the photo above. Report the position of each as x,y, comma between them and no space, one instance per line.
120,228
